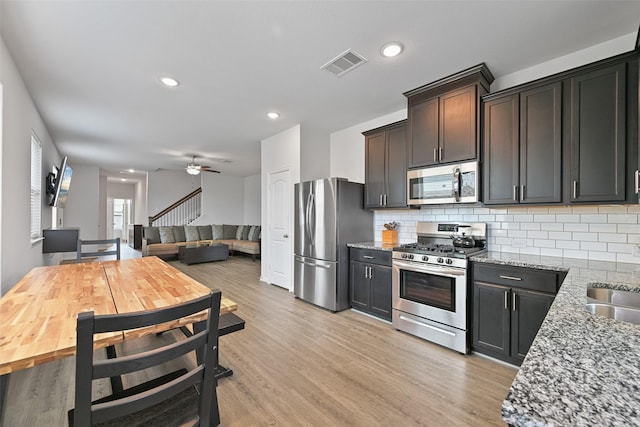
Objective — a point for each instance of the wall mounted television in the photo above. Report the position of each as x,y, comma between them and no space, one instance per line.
58,184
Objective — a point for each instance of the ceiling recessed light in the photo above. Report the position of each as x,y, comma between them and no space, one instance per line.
131,171
390,50
273,115
169,81
123,179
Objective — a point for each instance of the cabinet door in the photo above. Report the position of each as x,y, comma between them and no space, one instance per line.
501,156
423,133
396,182
597,133
458,125
541,144
359,282
374,170
491,323
528,311
381,291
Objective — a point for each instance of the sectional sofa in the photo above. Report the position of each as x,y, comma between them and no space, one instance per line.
165,240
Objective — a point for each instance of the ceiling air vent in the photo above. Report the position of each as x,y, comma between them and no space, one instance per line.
346,61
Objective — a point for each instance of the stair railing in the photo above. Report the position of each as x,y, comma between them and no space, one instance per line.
181,212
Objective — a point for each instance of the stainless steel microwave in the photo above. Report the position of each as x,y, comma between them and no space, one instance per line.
454,183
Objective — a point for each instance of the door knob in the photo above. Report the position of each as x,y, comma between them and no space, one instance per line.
286,236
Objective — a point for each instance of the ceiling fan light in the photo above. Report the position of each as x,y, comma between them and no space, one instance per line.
193,169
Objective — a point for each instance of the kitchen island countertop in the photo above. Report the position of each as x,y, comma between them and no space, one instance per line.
581,369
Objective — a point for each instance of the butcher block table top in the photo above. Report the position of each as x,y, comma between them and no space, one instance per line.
38,315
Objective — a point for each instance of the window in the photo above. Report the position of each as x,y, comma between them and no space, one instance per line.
36,189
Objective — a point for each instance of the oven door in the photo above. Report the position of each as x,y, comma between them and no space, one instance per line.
433,292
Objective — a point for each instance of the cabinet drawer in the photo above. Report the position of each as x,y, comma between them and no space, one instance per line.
371,256
518,277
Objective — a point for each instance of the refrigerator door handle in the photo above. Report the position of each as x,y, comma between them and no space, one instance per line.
312,208
307,216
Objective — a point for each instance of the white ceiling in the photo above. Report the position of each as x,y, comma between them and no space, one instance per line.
92,67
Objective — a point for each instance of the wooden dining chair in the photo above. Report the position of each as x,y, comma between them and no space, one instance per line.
175,399
80,254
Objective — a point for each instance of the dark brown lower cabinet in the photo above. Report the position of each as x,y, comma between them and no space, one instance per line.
370,284
506,318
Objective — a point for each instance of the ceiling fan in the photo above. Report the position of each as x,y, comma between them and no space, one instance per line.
194,168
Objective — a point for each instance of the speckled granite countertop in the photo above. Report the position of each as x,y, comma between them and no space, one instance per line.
372,245
581,370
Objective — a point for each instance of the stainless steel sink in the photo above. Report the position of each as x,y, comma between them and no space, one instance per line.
616,312
615,297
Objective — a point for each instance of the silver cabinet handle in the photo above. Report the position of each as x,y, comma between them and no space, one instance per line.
385,200
367,257
513,305
381,200
506,300
440,157
515,193
511,278
521,192
435,154
366,272
637,180
370,272
575,189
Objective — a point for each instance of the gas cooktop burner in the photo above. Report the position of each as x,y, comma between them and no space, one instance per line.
418,247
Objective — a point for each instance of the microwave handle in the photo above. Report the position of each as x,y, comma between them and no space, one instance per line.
457,183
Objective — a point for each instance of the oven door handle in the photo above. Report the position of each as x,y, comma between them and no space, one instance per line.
440,271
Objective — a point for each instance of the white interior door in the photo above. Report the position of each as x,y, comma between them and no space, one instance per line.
280,202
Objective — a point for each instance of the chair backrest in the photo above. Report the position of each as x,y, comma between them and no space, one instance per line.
80,254
204,343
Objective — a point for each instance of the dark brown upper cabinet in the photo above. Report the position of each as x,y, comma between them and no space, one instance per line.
443,121
570,138
596,129
523,147
386,166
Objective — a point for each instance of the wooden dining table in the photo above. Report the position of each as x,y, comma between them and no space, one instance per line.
38,315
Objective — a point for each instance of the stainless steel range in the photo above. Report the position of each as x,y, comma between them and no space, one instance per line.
430,283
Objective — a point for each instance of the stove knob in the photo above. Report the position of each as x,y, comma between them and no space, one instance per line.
440,260
449,261
404,255
410,256
425,258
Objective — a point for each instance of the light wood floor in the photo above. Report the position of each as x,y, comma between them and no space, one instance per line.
299,365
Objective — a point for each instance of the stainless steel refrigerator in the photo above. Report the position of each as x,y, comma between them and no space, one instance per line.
329,213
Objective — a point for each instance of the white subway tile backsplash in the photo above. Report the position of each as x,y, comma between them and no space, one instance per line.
612,237
576,227
603,228
595,233
567,218
622,218
593,218
593,246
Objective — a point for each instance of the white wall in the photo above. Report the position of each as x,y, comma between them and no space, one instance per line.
19,118
279,152
166,187
315,148
104,216
576,59
222,199
252,200
121,190
83,205
347,147
140,204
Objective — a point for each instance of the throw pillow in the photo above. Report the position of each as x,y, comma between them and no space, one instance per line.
245,232
166,235
205,232
217,232
152,234
240,232
191,233
178,233
254,233
229,231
